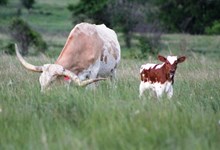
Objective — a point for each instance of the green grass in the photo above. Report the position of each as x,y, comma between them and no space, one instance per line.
199,44
50,18
47,16
112,116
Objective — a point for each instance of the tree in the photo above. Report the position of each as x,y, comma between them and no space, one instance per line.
126,15
191,16
86,10
123,15
3,2
28,4
25,36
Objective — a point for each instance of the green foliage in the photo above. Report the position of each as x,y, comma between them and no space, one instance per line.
39,42
214,29
191,16
9,49
111,117
3,2
28,4
149,45
25,36
124,16
87,9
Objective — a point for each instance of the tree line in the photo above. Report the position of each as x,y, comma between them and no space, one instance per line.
150,18
147,18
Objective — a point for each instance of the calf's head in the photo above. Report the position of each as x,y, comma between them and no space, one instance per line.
171,63
50,72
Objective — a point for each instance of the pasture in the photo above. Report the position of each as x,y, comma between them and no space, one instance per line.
112,116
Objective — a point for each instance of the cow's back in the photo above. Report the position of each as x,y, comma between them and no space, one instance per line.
83,47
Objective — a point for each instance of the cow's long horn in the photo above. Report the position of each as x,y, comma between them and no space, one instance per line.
76,79
26,64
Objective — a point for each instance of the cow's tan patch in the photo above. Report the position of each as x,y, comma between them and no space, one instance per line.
83,47
112,50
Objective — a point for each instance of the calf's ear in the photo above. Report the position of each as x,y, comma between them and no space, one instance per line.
161,58
181,59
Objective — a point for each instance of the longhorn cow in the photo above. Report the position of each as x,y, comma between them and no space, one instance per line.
91,53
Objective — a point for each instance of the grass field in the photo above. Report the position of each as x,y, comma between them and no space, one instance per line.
112,116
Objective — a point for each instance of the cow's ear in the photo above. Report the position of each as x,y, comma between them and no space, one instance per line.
161,58
181,59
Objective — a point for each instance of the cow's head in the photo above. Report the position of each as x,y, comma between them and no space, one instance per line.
171,63
50,72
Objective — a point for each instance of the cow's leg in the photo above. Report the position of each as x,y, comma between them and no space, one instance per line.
142,88
170,92
158,92
93,73
113,75
113,78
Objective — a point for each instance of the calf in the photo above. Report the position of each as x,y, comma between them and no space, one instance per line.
160,77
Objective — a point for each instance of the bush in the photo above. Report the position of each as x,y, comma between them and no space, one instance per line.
149,44
9,49
122,16
3,2
28,4
214,29
25,36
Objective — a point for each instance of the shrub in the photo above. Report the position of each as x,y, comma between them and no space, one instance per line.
3,2
28,4
9,49
25,36
149,44
214,29
122,16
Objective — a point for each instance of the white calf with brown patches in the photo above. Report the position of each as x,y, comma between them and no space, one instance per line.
160,77
91,53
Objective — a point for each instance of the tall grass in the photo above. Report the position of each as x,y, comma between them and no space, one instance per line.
112,116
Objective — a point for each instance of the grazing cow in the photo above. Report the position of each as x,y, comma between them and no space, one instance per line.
91,53
160,77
